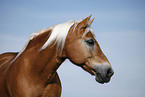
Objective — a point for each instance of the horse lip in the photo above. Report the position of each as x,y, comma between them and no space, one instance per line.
99,78
88,69
94,72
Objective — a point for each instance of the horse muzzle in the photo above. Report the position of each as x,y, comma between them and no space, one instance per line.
102,72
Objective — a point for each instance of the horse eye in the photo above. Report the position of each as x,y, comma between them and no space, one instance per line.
90,42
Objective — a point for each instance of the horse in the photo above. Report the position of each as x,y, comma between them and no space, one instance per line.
32,71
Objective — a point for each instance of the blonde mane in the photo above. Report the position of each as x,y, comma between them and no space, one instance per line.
59,34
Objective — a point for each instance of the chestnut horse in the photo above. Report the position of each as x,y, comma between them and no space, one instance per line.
32,72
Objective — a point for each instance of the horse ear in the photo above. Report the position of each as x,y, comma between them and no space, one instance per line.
90,22
84,22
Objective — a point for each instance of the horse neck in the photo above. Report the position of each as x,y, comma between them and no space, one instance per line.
49,61
41,63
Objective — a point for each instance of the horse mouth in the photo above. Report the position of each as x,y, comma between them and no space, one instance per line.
98,77
88,69
101,80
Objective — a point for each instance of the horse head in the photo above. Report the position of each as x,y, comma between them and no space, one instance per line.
82,49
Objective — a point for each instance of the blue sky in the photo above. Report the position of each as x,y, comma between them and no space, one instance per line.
119,27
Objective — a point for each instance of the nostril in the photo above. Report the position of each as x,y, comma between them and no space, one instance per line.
109,72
